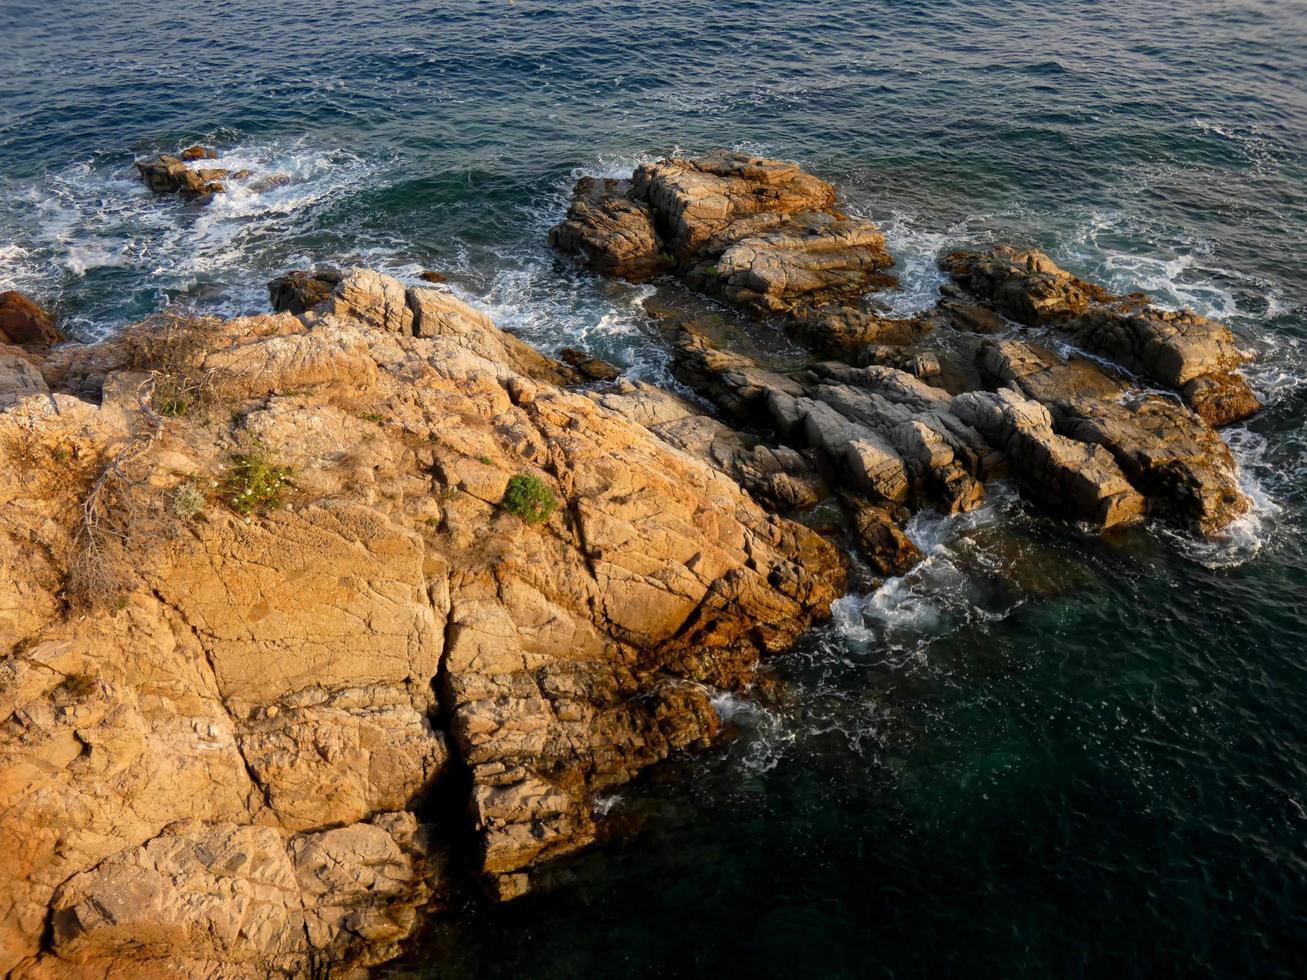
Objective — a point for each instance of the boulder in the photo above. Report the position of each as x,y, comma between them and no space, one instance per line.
779,263
588,366
691,200
881,542
169,175
610,232
1178,462
25,322
758,233
1077,479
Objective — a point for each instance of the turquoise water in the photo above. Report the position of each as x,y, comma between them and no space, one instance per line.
1040,754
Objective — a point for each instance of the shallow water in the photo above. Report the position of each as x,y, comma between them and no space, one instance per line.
1040,753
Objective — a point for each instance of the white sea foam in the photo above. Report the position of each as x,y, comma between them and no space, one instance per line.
96,216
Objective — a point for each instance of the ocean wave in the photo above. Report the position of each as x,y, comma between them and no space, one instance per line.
94,220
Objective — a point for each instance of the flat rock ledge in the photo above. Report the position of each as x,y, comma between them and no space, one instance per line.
305,671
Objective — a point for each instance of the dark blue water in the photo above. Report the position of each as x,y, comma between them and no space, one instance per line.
1037,755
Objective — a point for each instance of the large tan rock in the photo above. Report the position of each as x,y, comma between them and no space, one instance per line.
200,768
694,199
25,322
1176,348
612,233
1078,479
1179,463
758,233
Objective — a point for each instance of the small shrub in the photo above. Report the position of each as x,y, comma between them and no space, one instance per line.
253,484
528,497
713,272
484,460
79,685
669,258
174,395
186,501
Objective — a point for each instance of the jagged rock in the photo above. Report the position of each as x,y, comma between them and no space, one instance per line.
1221,399
732,381
381,302
758,233
1026,286
246,896
591,367
776,476
777,263
612,233
198,153
299,291
944,459
846,333
1040,374
198,781
19,379
1061,474
430,275
169,175
1173,348
694,199
1183,467
25,322
880,540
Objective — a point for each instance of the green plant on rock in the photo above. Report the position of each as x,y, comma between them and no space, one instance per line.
186,500
529,498
254,484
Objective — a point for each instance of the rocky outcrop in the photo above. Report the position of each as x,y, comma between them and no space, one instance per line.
885,421
25,323
758,233
168,175
777,476
1178,349
611,232
1180,464
1079,479
249,647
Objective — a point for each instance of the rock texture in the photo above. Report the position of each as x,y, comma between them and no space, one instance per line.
1178,349
758,233
286,664
219,729
170,175
26,323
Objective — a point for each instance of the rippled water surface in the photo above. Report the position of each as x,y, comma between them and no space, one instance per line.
1039,754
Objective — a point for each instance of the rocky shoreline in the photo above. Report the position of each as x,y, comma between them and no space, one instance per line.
317,617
